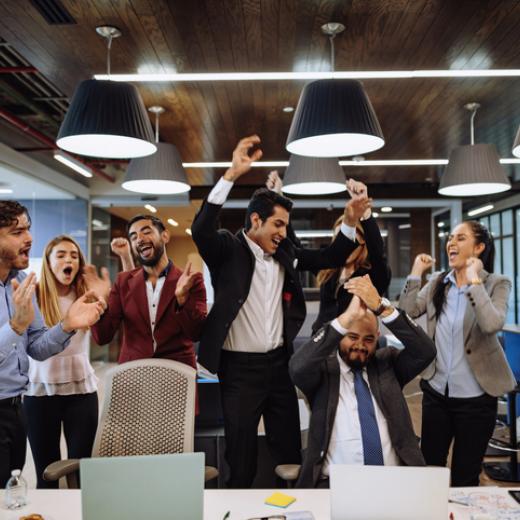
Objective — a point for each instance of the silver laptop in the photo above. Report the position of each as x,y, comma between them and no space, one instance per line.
389,492
144,487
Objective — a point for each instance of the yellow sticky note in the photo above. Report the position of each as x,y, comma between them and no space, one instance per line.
279,500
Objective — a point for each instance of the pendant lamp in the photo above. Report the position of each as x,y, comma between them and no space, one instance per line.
313,176
161,173
516,144
473,169
107,118
334,118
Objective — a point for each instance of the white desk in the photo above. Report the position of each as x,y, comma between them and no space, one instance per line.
66,504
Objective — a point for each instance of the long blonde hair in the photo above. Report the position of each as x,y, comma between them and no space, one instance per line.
357,259
47,293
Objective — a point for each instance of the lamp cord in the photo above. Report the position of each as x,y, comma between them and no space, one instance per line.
109,45
332,63
157,127
472,125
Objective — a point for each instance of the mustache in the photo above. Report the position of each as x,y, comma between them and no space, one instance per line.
358,349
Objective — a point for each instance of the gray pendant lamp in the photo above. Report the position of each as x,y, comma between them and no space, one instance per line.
334,118
473,169
313,176
161,173
516,144
107,118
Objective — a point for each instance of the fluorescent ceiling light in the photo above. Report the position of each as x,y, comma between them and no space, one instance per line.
188,231
386,209
474,189
314,188
73,164
96,222
288,110
173,222
318,233
6,190
478,211
306,76
151,208
404,226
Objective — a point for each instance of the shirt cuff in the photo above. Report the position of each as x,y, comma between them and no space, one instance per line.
220,191
413,278
348,231
335,324
391,317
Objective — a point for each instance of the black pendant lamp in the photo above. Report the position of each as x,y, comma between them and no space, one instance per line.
107,118
473,169
313,176
161,173
516,144
334,118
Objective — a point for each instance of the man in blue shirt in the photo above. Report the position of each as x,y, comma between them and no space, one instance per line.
23,332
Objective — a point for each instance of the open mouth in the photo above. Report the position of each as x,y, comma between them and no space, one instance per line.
452,255
67,271
276,242
146,251
25,252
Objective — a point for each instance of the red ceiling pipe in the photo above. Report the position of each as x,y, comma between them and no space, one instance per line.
29,130
13,70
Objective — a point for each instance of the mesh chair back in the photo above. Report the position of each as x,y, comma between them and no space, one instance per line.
149,408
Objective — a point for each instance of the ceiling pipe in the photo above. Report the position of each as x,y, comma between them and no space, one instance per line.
35,134
16,70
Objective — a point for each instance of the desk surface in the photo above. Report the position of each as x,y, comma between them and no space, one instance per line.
65,504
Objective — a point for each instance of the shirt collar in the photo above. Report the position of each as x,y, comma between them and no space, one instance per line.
13,273
163,273
255,248
450,277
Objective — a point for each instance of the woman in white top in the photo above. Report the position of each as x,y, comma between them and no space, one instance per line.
62,390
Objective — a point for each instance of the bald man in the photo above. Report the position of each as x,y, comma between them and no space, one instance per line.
359,414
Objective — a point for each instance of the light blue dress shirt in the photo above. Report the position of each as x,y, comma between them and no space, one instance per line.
452,368
37,341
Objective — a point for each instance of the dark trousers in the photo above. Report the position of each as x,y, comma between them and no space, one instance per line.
13,438
255,385
45,415
469,422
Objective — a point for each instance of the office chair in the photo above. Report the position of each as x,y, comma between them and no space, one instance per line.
148,409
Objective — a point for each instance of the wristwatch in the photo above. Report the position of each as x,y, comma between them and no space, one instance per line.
383,304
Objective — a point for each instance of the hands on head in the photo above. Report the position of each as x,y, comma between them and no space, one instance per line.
359,205
242,158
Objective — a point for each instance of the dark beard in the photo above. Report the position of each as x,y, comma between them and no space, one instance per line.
154,260
356,364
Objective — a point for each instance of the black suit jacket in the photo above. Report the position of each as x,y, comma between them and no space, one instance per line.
231,264
314,369
334,301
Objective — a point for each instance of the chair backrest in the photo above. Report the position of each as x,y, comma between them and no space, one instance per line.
148,409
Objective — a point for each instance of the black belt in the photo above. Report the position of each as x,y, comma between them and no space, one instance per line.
11,401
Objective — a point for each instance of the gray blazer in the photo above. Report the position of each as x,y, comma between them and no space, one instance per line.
485,316
315,370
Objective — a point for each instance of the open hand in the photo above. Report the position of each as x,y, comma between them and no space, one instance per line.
184,284
362,287
23,313
84,312
242,161
421,264
99,285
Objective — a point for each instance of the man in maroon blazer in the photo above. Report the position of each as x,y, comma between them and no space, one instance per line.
161,307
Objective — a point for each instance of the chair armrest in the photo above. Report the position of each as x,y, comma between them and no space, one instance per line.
63,468
288,472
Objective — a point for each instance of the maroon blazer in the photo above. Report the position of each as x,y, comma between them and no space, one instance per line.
174,328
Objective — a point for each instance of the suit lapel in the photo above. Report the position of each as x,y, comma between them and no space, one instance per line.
137,295
375,387
168,292
334,375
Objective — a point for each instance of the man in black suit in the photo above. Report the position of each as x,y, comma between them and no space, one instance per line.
359,414
258,310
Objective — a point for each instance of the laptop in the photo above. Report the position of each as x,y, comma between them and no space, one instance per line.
389,492
143,488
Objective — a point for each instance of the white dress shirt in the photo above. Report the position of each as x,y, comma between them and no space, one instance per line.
153,295
346,444
258,326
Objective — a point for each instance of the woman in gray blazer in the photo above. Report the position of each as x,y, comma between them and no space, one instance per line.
465,309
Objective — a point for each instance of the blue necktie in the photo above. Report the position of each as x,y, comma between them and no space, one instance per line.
372,449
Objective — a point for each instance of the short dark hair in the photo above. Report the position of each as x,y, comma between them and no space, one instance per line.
156,221
10,210
263,202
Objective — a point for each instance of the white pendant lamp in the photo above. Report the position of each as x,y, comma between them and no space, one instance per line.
516,144
161,173
473,169
107,118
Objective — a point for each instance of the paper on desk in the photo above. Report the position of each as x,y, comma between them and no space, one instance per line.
491,500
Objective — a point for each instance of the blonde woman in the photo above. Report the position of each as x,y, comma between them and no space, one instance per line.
62,390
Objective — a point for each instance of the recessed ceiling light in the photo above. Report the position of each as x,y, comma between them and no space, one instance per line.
386,209
188,231
440,224
404,226
384,233
482,209
375,214
173,222
288,109
151,208
73,164
441,234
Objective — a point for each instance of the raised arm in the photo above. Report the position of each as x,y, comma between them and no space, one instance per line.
379,273
121,247
413,299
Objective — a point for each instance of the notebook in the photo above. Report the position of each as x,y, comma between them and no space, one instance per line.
389,492
143,488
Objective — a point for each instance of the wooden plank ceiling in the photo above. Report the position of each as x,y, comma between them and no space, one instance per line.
421,118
